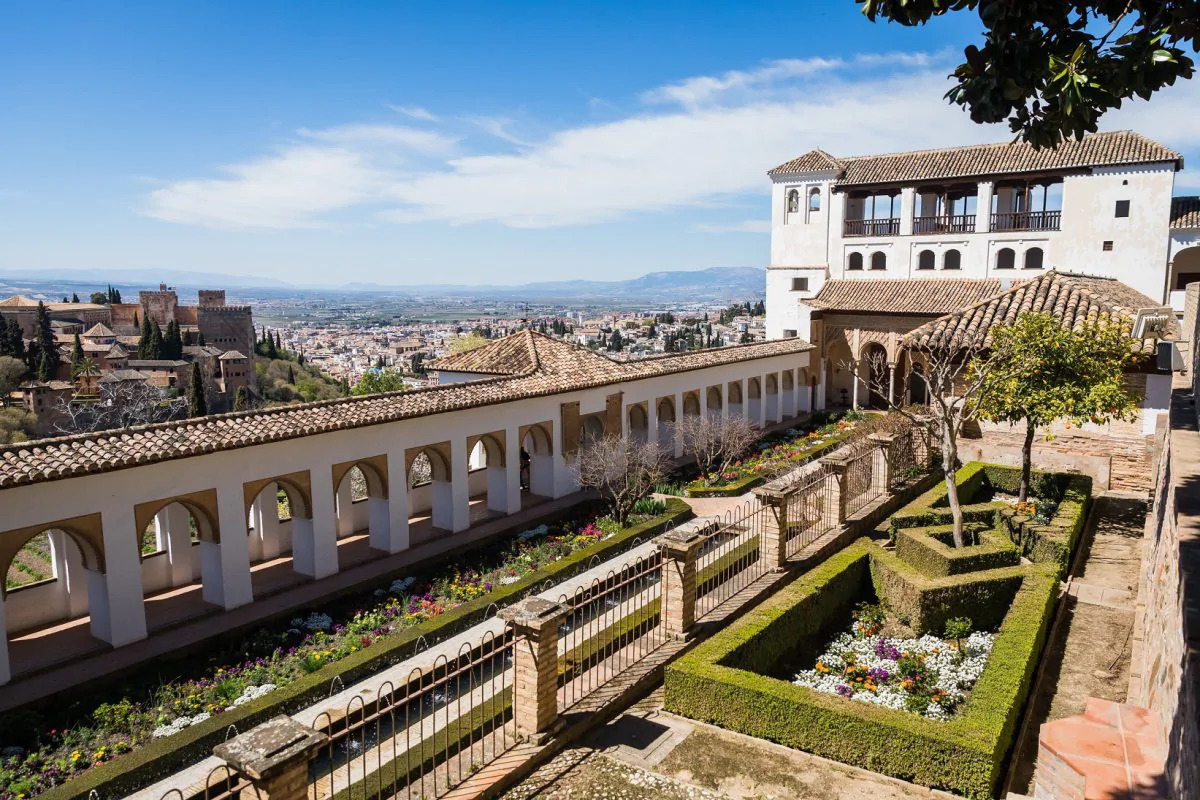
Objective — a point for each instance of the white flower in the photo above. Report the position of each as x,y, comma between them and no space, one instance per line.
318,622
507,579
533,533
251,693
400,586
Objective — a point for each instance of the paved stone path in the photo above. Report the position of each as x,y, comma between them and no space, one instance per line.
648,754
1090,653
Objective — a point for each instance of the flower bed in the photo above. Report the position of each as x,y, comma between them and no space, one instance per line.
927,675
776,454
735,680
167,720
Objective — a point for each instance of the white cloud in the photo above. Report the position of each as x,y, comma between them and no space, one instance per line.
745,226
707,89
415,112
715,143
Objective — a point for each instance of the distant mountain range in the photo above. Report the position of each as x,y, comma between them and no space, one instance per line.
712,284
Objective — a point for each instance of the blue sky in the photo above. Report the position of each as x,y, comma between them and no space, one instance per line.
451,142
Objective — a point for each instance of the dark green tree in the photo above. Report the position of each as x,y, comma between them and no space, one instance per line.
291,375
76,353
1052,68
241,401
99,298
272,351
16,339
47,349
74,297
200,338
197,406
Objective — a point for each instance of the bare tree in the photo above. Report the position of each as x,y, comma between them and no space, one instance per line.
716,443
623,471
960,374
121,404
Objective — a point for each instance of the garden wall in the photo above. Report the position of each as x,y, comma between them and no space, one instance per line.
1165,673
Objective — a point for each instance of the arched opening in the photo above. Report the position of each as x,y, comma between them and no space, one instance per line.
736,399
952,260
362,502
713,398
666,422
814,199
793,201
591,429
430,487
691,404
281,522
878,260
926,259
840,383
1185,269
774,412
1033,258
490,458
788,384
639,423
537,460
918,393
754,401
854,261
875,374
1006,258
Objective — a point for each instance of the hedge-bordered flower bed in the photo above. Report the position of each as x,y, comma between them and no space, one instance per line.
774,454
722,682
358,653
931,550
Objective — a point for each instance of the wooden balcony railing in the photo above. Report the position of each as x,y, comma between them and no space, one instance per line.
1027,221
872,227
946,223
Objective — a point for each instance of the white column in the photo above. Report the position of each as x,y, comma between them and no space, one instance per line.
762,401
678,425
68,570
564,481
345,507
265,513
392,537
704,402
512,470
854,386
652,420
891,384
174,530
820,404
983,207
225,565
115,598
314,540
460,491
907,209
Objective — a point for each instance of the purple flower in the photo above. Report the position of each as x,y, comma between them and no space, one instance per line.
885,649
879,674
844,690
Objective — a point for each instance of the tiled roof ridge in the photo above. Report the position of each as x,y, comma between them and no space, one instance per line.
1185,211
986,145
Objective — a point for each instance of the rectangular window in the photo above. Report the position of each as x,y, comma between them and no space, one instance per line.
1122,208
1108,246
799,284
789,334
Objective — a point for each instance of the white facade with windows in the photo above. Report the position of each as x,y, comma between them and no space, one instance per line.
1101,206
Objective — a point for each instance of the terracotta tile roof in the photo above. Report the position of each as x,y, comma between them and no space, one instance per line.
1185,212
1074,300
812,161
561,368
99,330
900,296
1094,150
525,352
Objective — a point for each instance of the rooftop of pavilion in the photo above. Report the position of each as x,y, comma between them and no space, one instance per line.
552,367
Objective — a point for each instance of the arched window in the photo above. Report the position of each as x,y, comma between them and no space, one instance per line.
1006,258
855,261
793,201
878,260
1033,258
925,259
814,199
952,260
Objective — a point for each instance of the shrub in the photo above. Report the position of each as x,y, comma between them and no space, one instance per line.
719,682
931,550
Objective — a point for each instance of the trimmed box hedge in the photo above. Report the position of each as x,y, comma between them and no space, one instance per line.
720,682
160,757
932,552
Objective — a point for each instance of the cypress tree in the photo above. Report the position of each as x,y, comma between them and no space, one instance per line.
201,339
240,401
136,324
143,347
172,342
5,345
74,297
292,374
76,353
47,349
156,341
196,405
16,339
272,352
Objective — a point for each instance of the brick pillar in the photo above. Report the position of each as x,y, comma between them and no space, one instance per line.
535,622
838,465
772,545
275,757
886,442
681,548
